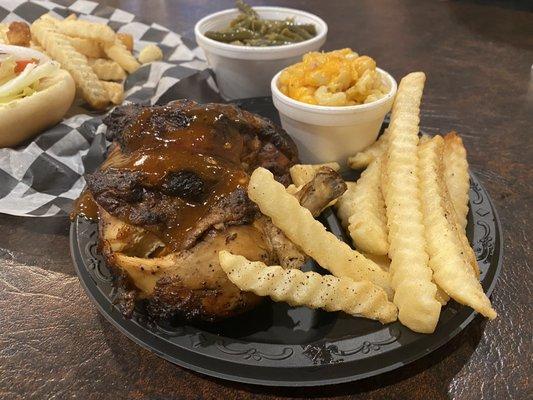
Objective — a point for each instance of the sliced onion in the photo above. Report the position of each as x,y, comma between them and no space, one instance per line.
23,53
31,74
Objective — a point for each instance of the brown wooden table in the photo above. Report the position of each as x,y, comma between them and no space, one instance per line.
478,59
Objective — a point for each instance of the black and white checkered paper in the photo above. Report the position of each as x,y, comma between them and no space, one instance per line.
44,176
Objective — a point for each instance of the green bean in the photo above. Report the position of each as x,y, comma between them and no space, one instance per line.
280,38
245,8
259,42
226,37
309,28
248,29
246,24
291,34
302,32
240,18
280,24
256,25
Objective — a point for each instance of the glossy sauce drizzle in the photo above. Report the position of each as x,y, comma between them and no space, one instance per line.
85,206
163,141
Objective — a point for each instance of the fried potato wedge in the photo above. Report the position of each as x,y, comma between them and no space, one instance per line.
368,223
309,289
445,238
456,175
365,157
309,234
410,274
58,47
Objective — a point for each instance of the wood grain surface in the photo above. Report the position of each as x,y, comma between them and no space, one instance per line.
478,58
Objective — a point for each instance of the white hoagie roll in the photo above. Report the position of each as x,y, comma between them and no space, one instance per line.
22,118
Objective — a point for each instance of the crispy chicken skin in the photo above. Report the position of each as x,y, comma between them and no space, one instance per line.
189,283
172,194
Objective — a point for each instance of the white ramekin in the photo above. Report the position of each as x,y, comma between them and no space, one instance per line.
244,71
325,134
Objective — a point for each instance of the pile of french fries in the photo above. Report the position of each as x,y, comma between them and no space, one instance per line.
406,215
97,58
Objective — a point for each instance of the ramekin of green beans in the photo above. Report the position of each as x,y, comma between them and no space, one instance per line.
249,29
246,47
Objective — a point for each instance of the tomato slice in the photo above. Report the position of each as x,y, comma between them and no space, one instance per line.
21,64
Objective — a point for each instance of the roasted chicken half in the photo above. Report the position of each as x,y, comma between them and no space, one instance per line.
172,194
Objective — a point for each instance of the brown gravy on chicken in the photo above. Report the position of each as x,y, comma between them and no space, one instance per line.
85,206
195,163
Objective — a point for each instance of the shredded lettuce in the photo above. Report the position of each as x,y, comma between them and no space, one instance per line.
31,75
27,91
7,69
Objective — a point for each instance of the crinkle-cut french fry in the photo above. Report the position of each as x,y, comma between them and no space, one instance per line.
364,158
346,205
368,223
451,267
107,70
456,175
409,272
36,46
118,52
87,47
423,139
292,189
302,174
60,49
376,149
457,180
115,90
308,289
48,18
382,261
86,29
309,234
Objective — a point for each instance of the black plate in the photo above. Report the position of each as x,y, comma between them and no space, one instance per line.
278,345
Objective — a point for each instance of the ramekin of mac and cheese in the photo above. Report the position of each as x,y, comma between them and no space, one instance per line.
333,104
